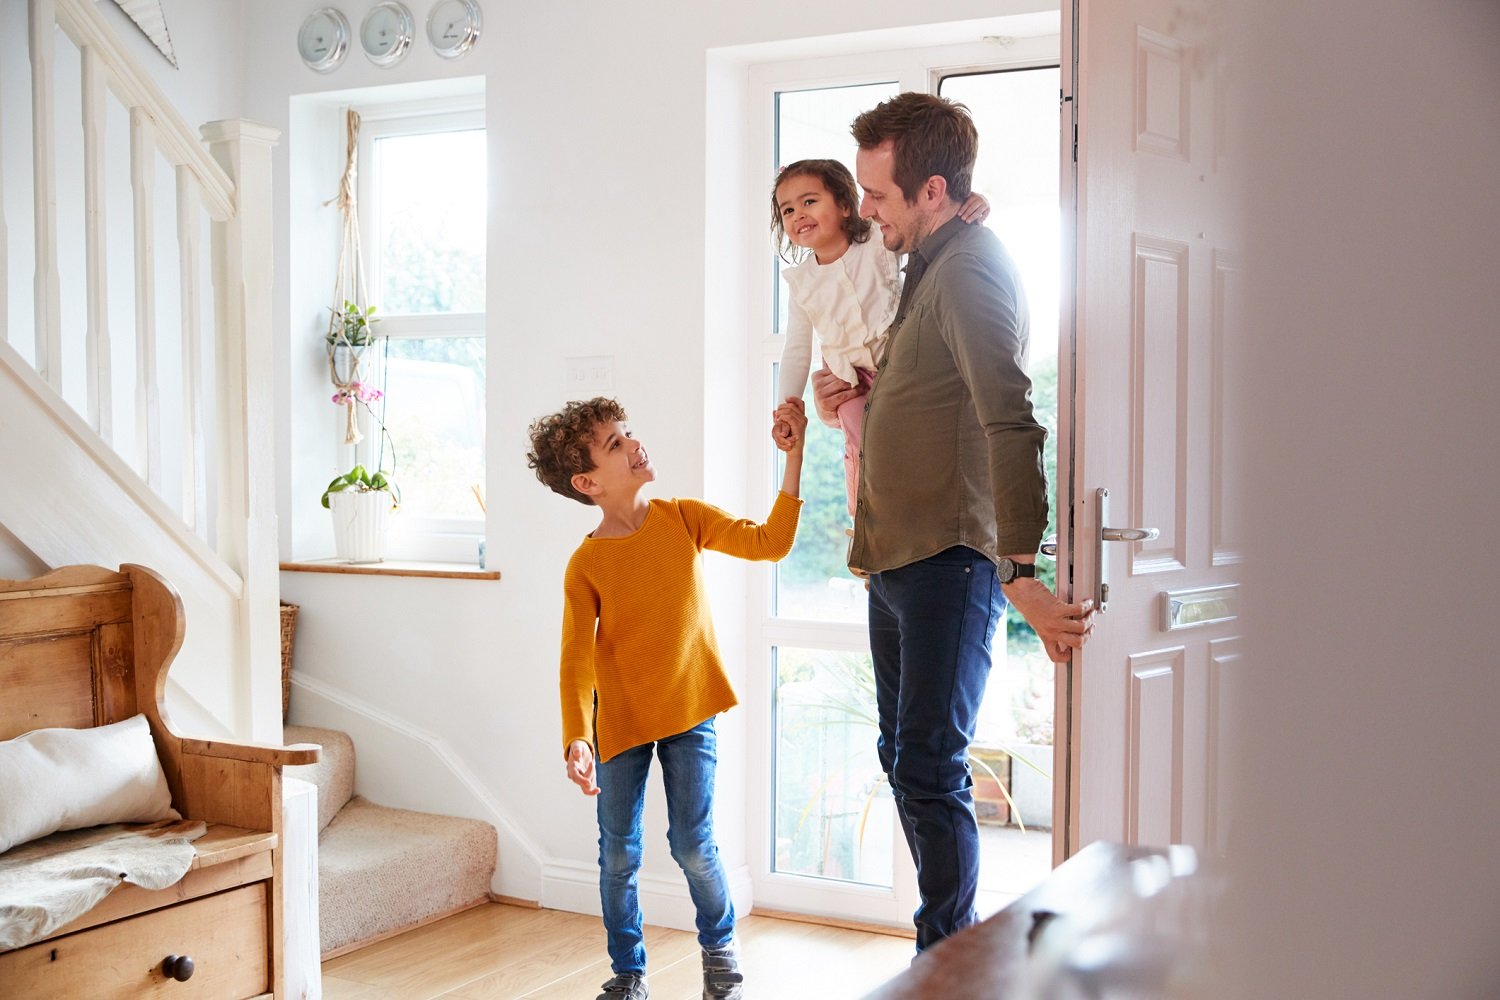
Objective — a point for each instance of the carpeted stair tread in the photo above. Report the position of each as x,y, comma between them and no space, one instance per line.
381,869
334,771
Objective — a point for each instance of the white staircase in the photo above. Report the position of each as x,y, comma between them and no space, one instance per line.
135,410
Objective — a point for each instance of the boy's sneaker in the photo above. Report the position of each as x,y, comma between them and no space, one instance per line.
721,974
625,986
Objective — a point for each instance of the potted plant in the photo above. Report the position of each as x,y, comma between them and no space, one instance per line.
360,502
349,334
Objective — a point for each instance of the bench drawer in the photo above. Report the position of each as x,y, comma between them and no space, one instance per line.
226,935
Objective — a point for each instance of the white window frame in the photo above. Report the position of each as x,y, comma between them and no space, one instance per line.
913,69
411,537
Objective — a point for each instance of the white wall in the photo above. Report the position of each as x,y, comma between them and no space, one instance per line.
598,124
17,562
1363,838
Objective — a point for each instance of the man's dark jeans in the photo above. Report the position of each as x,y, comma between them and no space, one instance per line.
931,624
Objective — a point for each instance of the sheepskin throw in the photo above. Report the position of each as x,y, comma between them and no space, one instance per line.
50,882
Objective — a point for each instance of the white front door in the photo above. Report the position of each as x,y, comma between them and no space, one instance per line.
1156,270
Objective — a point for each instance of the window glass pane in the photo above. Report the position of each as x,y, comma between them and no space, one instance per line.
834,813
434,412
430,193
814,124
1017,170
814,581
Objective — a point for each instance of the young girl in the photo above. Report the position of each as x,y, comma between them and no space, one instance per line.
844,286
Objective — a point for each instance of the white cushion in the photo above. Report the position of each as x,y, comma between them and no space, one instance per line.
68,779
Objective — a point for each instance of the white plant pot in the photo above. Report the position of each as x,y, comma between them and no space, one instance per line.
359,525
348,362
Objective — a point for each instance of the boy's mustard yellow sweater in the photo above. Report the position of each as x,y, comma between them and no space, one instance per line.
637,635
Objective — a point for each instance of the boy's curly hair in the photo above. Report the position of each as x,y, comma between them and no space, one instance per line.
560,443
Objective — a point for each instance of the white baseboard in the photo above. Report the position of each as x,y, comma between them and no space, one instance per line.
521,880
567,885
553,882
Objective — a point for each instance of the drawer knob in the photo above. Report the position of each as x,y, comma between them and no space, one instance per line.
178,967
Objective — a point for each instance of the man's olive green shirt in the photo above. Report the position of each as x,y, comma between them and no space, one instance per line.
952,454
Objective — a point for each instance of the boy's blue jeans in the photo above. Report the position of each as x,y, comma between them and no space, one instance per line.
931,624
688,761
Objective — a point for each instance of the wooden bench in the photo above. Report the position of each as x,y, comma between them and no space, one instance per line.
85,646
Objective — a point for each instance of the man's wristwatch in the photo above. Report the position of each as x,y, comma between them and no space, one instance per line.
1008,569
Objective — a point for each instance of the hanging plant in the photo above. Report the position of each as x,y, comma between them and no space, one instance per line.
351,319
352,325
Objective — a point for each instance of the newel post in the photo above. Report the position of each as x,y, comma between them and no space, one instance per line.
247,534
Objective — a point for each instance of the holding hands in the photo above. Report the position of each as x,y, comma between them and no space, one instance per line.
789,427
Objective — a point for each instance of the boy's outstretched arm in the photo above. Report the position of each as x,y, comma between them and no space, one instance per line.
581,767
792,415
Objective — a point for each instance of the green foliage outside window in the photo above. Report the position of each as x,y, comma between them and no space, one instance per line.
822,546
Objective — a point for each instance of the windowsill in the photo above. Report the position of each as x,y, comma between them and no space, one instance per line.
394,567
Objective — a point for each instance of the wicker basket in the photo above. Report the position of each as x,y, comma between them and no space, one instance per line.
288,632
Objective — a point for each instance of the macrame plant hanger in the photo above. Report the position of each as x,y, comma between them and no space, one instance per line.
348,287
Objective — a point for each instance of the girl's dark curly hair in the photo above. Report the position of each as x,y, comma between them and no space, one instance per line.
560,443
840,183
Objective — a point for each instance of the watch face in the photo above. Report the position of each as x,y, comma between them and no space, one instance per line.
1005,569
323,39
453,27
386,33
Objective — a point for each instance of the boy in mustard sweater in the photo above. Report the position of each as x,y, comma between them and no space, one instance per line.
641,670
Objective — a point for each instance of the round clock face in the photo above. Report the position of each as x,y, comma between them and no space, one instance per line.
386,33
323,40
453,27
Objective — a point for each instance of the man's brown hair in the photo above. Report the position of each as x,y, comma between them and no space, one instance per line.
560,443
930,136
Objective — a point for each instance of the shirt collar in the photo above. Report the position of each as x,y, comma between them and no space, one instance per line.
933,244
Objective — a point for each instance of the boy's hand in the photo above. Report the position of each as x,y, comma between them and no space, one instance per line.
793,416
975,209
781,434
581,767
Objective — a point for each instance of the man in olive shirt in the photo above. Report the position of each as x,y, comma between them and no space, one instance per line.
952,498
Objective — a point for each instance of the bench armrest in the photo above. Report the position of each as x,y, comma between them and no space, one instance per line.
259,753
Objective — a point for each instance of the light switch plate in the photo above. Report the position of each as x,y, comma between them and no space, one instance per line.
590,376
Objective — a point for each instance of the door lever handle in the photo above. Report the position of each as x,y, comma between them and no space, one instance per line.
1129,534
1101,554
1049,546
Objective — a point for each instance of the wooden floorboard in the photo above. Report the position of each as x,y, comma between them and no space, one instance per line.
502,952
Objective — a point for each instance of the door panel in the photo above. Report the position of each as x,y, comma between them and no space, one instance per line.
1156,276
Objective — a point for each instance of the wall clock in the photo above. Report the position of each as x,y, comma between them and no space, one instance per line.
386,32
453,27
323,39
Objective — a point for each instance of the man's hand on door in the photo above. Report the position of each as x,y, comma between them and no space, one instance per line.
1061,627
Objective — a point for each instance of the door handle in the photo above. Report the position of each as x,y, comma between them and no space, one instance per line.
1104,534
1049,546
1129,534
